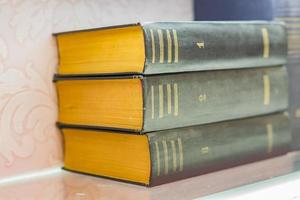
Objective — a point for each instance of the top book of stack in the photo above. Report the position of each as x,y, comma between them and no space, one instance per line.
171,47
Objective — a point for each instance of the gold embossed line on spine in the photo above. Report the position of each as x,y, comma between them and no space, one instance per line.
180,149
270,137
169,39
266,80
176,110
169,98
175,46
161,101
161,45
152,45
266,42
174,155
157,158
152,101
166,156
297,113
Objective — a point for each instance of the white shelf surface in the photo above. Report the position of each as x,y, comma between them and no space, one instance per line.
276,178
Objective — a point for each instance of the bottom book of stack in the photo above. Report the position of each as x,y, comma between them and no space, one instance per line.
164,156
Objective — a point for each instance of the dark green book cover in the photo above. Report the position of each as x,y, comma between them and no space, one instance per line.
193,46
190,151
187,152
172,47
185,99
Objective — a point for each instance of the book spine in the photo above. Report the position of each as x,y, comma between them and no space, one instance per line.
194,46
186,99
288,11
186,152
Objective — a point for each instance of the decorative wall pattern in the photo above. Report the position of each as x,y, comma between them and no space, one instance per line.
29,140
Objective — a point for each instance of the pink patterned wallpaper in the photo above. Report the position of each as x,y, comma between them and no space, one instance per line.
29,140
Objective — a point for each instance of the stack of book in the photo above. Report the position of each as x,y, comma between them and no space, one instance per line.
157,102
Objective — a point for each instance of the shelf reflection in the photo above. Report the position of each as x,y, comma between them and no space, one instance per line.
71,186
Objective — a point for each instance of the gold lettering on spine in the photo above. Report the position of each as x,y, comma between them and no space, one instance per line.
161,46
169,46
174,155
161,101
266,90
169,96
175,99
266,42
152,45
157,158
205,150
165,146
152,101
202,98
180,149
175,46
270,137
201,45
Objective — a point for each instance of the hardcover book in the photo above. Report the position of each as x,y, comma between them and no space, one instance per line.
164,156
167,47
150,103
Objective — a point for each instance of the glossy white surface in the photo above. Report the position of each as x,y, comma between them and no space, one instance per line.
281,188
63,185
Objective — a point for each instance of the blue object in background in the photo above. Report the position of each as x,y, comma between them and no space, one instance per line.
223,10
